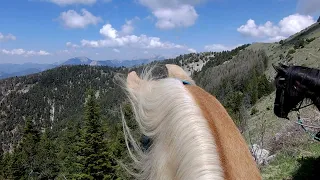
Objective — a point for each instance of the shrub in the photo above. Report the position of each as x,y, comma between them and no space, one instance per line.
291,51
253,111
310,40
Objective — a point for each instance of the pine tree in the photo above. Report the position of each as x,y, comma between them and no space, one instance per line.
24,164
47,158
2,166
93,156
67,149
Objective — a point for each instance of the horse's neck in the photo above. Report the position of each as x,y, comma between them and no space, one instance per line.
316,101
234,153
309,84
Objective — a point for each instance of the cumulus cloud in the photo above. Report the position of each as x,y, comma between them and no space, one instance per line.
108,31
169,18
308,6
114,39
285,28
192,50
70,2
116,50
219,47
71,19
7,37
24,52
173,13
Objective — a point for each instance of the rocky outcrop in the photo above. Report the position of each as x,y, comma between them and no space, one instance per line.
261,156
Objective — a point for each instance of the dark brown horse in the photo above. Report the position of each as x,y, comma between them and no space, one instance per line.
294,84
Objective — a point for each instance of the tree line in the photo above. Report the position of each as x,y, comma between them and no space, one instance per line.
89,148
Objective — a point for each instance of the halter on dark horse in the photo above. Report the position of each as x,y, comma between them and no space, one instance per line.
294,84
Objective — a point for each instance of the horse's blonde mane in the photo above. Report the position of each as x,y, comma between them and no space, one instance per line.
183,146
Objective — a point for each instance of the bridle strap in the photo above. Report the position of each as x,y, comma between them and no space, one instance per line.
298,108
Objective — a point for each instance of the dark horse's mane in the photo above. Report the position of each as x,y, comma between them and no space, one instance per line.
308,77
295,83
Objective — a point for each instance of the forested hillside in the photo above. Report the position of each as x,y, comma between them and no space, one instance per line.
238,83
47,120
52,98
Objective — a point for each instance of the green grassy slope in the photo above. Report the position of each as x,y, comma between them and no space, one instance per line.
283,137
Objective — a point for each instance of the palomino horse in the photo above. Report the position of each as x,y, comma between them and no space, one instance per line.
193,137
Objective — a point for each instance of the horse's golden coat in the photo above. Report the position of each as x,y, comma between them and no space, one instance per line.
236,159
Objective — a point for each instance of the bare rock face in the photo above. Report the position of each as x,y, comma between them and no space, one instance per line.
261,156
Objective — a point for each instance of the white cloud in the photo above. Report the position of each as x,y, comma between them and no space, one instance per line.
285,28
168,18
116,50
295,23
145,52
219,47
7,37
308,6
155,4
192,50
63,51
113,40
128,28
70,2
173,13
71,19
71,45
24,52
108,31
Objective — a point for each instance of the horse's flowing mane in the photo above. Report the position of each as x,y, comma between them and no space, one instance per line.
193,136
183,146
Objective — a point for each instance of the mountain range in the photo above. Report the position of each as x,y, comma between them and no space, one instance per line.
11,70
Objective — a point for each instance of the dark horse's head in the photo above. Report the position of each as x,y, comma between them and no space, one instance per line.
294,83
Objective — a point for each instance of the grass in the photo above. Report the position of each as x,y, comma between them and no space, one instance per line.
295,163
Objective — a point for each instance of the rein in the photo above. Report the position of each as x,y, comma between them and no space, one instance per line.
299,122
312,135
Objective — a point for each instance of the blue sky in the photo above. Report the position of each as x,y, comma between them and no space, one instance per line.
48,31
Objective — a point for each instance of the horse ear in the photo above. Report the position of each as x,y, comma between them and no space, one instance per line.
280,68
175,71
283,66
133,80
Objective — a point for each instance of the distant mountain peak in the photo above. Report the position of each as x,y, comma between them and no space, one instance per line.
78,61
84,59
